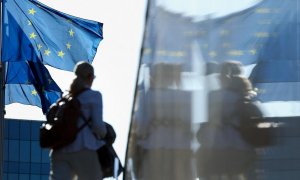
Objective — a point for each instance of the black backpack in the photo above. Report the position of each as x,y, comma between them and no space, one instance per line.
254,128
60,128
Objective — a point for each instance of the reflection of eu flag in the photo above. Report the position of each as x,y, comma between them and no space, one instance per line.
266,36
166,37
33,35
263,37
30,83
35,32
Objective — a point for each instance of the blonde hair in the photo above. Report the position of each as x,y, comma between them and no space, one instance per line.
83,71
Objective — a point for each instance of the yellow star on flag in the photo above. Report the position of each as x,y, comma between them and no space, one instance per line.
31,11
212,53
47,52
235,53
224,32
226,45
61,54
147,51
29,23
180,54
262,34
39,46
33,92
263,10
71,32
253,51
68,45
32,35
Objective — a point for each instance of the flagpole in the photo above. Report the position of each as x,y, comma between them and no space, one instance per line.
2,97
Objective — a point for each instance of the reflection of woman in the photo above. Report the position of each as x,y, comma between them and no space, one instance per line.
225,155
163,127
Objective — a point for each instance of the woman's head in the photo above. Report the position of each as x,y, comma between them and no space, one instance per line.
84,70
84,77
231,68
228,70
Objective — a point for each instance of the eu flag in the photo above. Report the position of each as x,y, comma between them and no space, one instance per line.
34,32
35,35
30,83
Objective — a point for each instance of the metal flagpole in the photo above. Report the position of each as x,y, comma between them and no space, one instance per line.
2,97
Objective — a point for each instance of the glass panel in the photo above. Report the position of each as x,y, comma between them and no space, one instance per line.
24,151
14,130
25,130
14,150
12,176
45,156
208,70
24,177
13,167
45,168
23,157
35,168
35,127
35,177
25,168
6,150
45,178
36,152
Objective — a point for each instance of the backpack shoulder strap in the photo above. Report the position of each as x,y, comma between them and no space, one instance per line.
86,121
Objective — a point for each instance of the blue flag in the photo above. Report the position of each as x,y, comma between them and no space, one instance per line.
34,35
30,83
35,32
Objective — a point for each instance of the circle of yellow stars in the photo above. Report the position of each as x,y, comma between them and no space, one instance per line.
47,52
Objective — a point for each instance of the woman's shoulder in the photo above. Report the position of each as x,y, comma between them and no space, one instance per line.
90,94
94,92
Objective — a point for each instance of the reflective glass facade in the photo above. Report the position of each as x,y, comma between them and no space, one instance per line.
23,157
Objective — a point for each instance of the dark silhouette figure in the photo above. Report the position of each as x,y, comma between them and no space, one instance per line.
223,153
163,127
